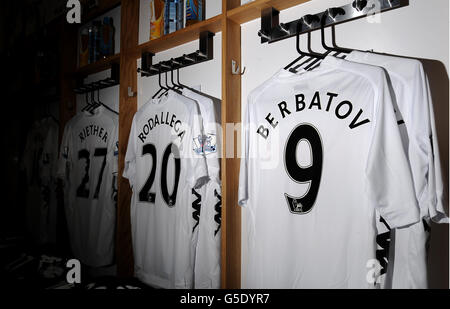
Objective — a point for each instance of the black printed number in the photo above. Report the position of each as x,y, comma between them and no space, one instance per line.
145,195
170,198
311,174
83,189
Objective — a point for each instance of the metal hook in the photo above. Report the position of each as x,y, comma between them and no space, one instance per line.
284,28
263,35
309,20
188,58
175,62
165,65
201,55
333,12
235,70
359,5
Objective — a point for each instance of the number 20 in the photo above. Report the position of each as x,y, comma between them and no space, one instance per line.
150,197
311,174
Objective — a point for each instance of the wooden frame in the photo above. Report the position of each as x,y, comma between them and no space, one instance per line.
229,23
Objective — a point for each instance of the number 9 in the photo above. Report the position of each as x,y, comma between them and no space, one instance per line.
311,174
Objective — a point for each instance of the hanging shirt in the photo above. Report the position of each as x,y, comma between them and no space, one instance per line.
48,165
88,166
208,199
415,117
38,193
163,164
322,152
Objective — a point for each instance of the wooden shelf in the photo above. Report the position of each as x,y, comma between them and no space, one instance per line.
179,37
98,66
252,10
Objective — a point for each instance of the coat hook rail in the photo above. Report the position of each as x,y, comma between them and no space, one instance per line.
205,53
272,31
114,80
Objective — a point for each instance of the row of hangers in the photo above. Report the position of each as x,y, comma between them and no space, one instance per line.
313,59
92,105
176,87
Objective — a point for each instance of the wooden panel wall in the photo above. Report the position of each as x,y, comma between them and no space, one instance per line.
68,64
127,109
231,114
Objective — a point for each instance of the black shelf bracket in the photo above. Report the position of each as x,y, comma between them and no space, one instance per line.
114,80
204,53
272,31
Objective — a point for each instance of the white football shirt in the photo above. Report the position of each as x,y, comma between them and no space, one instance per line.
416,120
38,192
163,164
207,256
322,152
88,166
49,162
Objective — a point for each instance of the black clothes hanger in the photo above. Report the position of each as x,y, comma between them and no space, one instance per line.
95,104
100,103
172,62
173,87
332,13
167,88
161,87
301,53
88,104
309,19
333,42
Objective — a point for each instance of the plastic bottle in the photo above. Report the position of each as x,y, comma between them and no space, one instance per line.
156,19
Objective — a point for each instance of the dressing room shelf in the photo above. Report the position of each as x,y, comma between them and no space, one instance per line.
98,66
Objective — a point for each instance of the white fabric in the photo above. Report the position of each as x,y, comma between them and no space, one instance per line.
207,257
328,242
164,237
49,162
413,99
40,199
88,161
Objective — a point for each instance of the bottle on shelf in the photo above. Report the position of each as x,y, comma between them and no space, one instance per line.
107,38
156,19
94,41
84,47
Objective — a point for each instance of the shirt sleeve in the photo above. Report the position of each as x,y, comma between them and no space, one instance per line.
390,185
243,174
190,149
115,150
207,253
437,191
213,141
129,171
